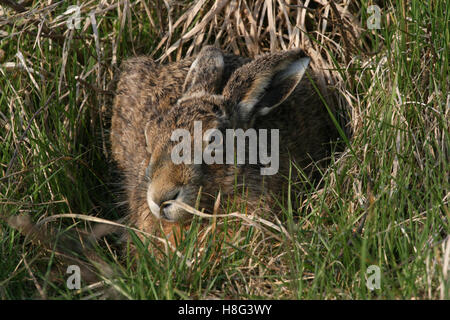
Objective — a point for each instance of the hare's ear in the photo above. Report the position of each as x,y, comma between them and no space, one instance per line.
205,73
258,87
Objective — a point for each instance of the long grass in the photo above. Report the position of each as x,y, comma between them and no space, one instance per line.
383,200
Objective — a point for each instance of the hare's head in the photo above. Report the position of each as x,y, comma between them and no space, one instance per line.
206,109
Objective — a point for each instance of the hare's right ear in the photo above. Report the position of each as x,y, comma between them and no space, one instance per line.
205,73
258,87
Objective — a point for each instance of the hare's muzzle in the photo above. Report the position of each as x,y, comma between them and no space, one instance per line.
157,202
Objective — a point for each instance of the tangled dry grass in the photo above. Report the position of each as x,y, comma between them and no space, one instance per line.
74,68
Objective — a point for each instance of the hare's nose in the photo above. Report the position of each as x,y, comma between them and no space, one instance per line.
156,201
172,195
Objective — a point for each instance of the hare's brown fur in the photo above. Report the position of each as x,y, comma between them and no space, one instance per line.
218,90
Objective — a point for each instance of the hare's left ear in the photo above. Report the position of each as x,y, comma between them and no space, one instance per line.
206,72
258,87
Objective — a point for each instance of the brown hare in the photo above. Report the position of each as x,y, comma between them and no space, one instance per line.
221,92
